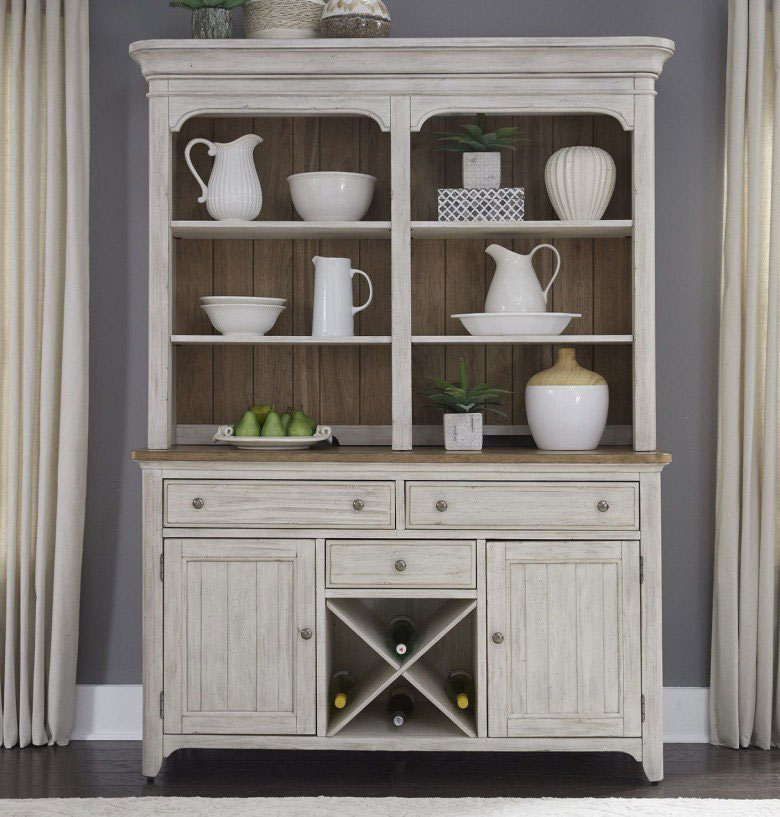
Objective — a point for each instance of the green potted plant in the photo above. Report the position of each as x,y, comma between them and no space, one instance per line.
211,19
462,406
481,151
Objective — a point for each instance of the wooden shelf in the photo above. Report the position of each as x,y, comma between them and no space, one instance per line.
281,229
522,229
277,340
421,340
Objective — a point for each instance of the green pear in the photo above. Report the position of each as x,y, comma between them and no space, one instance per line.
299,428
262,412
285,418
248,426
272,427
301,415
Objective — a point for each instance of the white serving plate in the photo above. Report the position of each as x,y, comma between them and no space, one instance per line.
516,323
242,299
225,435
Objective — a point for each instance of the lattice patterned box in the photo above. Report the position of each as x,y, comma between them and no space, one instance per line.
500,204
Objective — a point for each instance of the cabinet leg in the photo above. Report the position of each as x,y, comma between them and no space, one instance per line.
653,764
152,759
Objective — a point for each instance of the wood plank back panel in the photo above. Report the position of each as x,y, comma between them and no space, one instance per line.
353,385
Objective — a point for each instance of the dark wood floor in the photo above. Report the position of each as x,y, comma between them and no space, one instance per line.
101,769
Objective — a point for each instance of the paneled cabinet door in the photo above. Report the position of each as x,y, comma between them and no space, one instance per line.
563,639
239,651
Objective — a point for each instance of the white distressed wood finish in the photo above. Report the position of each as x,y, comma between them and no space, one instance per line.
401,271
278,340
282,504
235,660
376,564
481,340
522,229
564,667
528,505
400,84
259,230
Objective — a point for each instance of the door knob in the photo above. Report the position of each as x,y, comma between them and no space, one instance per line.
197,503
358,504
306,633
498,638
400,565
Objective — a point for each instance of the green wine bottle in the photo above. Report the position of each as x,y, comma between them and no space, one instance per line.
460,688
400,705
400,634
343,688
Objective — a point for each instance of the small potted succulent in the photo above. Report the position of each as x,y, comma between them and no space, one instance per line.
211,19
462,406
481,152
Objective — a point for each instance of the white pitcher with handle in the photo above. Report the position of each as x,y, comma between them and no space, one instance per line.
333,309
233,191
515,287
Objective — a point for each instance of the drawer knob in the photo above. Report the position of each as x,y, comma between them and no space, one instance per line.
306,633
358,504
603,505
441,506
498,638
400,565
197,503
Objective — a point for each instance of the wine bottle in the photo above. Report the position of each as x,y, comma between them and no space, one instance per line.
400,634
460,688
343,687
400,705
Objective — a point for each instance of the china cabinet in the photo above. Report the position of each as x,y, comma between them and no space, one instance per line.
538,572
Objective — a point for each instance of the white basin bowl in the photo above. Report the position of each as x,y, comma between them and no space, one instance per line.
241,299
331,196
243,319
516,323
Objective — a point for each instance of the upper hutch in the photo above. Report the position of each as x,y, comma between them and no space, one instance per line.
563,546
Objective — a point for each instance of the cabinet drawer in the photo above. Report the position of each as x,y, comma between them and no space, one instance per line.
523,505
410,563
279,504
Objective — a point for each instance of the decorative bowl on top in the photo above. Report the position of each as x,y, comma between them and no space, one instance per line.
225,435
242,319
516,323
331,196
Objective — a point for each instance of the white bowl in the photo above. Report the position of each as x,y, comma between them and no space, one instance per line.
516,323
329,196
241,299
243,319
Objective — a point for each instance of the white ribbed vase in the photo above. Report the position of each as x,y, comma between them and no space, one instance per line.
233,191
580,182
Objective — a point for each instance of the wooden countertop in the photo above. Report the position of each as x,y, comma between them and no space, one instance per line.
606,455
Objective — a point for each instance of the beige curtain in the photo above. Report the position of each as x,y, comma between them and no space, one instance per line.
44,180
744,692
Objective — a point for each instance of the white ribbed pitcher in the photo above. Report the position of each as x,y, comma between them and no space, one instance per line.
233,191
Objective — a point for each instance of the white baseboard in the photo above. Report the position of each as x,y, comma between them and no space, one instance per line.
107,712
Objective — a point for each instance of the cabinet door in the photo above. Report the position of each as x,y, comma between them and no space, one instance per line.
235,659
569,662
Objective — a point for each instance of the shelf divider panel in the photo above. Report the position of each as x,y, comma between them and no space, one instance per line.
372,684
366,624
426,680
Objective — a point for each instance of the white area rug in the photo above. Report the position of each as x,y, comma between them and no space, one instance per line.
385,807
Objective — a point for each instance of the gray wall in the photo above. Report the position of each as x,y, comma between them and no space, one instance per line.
689,117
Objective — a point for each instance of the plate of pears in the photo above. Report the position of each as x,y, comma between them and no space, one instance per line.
263,427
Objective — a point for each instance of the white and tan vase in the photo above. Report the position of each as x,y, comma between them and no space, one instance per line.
355,18
482,170
580,182
567,405
463,432
282,19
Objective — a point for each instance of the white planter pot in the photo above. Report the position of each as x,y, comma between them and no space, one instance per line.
580,182
463,432
567,418
482,170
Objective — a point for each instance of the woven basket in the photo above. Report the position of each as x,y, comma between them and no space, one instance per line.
278,19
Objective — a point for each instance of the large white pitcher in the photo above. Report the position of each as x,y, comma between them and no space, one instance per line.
515,287
233,191
333,310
